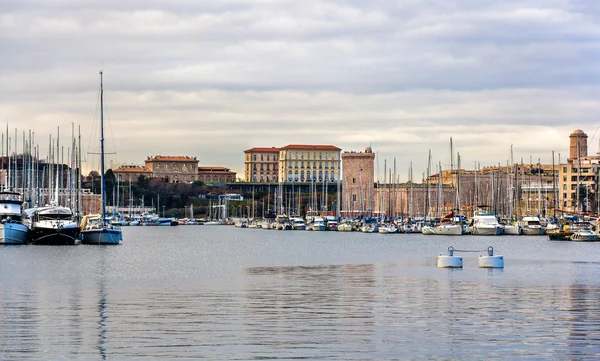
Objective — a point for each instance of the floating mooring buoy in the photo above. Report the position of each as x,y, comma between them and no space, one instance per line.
449,261
491,261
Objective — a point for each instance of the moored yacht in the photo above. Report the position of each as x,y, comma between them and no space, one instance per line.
51,225
485,223
298,224
319,224
530,226
12,231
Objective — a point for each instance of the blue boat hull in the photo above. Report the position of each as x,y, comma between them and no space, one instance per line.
101,236
13,233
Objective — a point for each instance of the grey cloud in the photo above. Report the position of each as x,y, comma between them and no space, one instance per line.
236,74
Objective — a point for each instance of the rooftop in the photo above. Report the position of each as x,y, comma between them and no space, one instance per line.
262,150
307,146
171,158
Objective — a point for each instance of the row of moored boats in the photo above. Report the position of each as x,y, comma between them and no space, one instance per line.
50,225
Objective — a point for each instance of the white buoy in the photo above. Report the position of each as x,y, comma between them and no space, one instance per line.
491,261
449,261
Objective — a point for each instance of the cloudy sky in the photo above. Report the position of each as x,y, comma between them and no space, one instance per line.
212,78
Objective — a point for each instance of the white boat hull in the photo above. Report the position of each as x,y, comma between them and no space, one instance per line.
532,231
486,230
511,230
428,230
448,230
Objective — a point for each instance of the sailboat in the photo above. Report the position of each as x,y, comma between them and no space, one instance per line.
449,225
52,224
94,229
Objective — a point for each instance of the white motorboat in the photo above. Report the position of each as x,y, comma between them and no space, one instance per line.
387,228
485,223
319,224
344,227
298,224
531,226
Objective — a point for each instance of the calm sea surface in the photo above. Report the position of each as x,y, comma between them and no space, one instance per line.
224,293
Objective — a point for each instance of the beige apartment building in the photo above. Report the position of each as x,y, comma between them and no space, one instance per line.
261,164
578,179
216,175
308,163
175,169
128,173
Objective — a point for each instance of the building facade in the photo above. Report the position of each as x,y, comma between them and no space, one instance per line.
309,163
216,175
131,172
175,169
261,164
578,178
358,192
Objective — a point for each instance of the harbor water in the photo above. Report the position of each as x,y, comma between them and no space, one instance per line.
225,293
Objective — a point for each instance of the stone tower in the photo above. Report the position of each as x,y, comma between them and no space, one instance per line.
578,137
358,181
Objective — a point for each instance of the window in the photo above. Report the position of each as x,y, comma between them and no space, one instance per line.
354,198
295,176
302,155
320,175
262,178
564,187
353,180
290,175
320,155
296,164
326,155
261,157
308,175
326,175
255,157
314,175
332,176
268,167
302,175
314,164
254,166
268,156
296,155
564,169
261,167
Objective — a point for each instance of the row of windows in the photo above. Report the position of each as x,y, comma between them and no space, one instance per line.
314,164
262,167
300,176
302,155
264,177
262,158
173,168
216,179
574,170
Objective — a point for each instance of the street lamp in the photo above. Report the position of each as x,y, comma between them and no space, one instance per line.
163,212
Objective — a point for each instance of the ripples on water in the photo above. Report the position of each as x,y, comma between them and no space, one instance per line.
233,294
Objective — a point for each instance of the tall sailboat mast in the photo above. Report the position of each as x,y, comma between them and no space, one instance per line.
103,182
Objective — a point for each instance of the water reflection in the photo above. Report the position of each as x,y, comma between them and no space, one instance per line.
192,299
102,312
304,310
